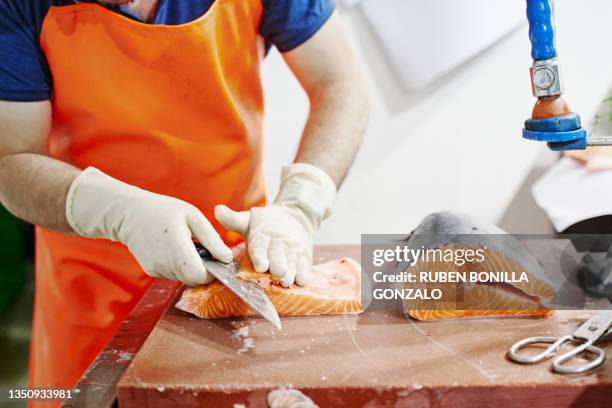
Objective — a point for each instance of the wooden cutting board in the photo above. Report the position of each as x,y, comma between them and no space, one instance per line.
377,359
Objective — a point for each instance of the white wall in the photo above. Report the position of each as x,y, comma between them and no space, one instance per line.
456,145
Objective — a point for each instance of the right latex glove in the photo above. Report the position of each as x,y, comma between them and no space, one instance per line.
157,229
280,236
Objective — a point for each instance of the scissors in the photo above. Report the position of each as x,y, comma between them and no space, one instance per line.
590,332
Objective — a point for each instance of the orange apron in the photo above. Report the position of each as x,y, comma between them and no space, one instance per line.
176,110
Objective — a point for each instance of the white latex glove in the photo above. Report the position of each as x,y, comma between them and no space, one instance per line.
157,229
280,237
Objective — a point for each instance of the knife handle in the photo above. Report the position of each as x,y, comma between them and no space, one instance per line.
203,252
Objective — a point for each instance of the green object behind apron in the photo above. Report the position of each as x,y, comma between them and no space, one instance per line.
12,260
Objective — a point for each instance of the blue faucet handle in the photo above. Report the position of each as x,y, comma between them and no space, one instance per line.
577,144
561,133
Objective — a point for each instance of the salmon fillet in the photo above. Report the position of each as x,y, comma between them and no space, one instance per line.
476,299
335,288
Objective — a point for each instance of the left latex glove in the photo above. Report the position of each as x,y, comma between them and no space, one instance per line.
280,237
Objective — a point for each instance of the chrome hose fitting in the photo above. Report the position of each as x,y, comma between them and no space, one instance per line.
546,78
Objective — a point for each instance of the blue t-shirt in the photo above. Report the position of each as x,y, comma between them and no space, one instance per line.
24,73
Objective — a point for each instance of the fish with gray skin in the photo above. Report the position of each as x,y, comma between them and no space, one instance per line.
443,229
250,292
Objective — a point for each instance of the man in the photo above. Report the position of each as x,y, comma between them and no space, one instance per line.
130,128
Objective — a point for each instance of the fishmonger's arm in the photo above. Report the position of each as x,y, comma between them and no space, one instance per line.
33,186
327,70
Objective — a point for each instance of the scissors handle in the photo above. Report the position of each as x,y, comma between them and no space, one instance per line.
555,344
558,363
600,357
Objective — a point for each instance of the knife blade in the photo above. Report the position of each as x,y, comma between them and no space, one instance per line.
250,292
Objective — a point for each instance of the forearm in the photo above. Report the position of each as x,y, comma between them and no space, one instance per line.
34,187
335,127
328,71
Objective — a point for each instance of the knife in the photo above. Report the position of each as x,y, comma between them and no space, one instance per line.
250,292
